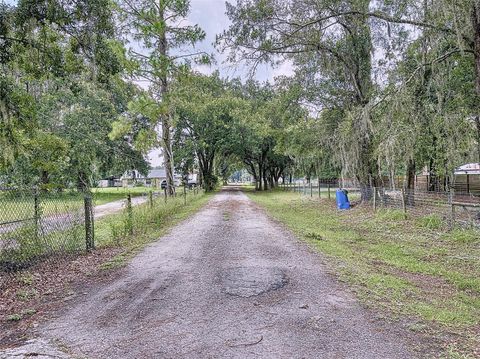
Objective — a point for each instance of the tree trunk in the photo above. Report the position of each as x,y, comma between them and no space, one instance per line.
205,162
253,173
476,50
44,178
432,176
409,184
165,118
477,124
260,176
360,74
82,182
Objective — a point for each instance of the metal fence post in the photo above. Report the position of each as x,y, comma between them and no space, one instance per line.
89,225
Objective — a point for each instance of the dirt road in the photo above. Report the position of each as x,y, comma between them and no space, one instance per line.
105,209
227,283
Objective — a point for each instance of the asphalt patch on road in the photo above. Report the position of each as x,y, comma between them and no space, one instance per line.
248,282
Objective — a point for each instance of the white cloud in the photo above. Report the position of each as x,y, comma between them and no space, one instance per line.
285,69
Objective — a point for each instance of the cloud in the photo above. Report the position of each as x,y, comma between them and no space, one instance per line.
285,69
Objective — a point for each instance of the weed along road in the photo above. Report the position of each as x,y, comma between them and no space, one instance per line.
227,283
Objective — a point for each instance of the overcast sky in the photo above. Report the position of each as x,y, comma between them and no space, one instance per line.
210,16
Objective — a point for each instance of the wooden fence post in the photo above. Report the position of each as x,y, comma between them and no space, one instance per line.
452,208
374,199
404,204
89,225
328,190
150,198
184,194
311,189
129,214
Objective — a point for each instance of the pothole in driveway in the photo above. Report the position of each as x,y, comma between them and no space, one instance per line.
252,281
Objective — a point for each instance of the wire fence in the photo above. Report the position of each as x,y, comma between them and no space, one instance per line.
453,208
40,226
35,225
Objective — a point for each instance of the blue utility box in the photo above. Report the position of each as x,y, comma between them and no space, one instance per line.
342,199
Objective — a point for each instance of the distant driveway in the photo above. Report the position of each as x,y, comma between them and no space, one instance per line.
116,206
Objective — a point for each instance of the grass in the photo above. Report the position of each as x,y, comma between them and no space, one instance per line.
413,269
17,205
21,205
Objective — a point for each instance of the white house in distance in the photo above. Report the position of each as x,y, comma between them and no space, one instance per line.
467,178
154,178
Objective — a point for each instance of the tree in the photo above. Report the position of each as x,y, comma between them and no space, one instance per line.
61,72
203,110
155,25
330,45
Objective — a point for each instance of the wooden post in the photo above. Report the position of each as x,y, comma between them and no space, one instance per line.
319,189
184,194
129,214
452,208
311,189
404,205
329,190
468,184
150,198
165,194
89,229
374,199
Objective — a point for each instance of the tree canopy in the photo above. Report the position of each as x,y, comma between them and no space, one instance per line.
378,89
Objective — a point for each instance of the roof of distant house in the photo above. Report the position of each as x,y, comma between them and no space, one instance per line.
469,168
160,173
157,173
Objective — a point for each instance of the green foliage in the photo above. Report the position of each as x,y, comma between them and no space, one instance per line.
55,122
412,104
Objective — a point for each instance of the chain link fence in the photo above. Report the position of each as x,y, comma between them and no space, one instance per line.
35,225
42,225
454,208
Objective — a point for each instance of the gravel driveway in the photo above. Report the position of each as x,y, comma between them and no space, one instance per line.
227,283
